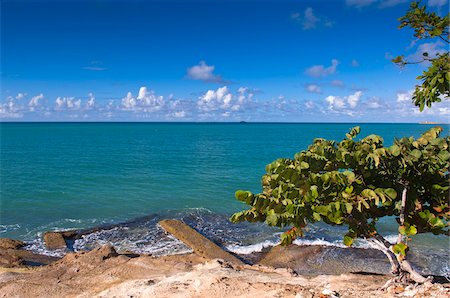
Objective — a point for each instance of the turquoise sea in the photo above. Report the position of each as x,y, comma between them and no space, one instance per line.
78,175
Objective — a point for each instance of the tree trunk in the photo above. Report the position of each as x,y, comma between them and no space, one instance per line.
400,267
402,213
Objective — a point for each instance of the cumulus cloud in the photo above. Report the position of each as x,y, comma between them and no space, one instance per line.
309,20
67,103
313,88
91,101
339,103
146,101
35,101
9,109
223,99
318,71
355,63
203,72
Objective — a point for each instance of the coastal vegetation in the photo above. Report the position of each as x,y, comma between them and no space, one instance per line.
435,80
356,182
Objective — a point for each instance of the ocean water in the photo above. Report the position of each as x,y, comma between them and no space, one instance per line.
127,176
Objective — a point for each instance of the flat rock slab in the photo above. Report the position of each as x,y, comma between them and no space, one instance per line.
199,243
315,259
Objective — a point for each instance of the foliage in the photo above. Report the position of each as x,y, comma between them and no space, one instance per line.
354,183
436,79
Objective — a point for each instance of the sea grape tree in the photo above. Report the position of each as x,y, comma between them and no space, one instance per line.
435,80
355,183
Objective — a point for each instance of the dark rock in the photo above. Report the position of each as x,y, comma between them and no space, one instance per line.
6,243
315,259
54,240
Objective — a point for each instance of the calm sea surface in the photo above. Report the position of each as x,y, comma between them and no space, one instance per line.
79,175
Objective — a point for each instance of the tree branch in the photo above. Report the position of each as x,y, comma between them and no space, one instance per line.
402,212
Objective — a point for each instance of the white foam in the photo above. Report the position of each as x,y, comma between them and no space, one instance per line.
7,228
248,249
258,247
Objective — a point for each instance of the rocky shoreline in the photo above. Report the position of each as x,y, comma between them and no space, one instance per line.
293,271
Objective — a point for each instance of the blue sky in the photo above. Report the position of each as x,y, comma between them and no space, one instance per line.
297,61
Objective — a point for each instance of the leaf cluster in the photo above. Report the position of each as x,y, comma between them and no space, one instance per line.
435,81
354,183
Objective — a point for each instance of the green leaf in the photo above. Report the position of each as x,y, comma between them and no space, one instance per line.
444,155
395,150
391,193
316,216
348,207
416,153
242,195
400,248
348,241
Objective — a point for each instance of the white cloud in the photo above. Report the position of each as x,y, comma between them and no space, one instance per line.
21,96
146,101
35,101
432,48
313,88
9,109
223,99
91,101
353,99
67,103
129,102
309,20
355,63
405,96
436,3
179,114
374,103
309,104
339,103
317,71
203,72
335,102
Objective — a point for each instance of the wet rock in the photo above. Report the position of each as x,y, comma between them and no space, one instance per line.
10,260
6,243
54,240
315,259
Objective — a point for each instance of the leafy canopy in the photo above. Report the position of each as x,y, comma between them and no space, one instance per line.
354,183
436,79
